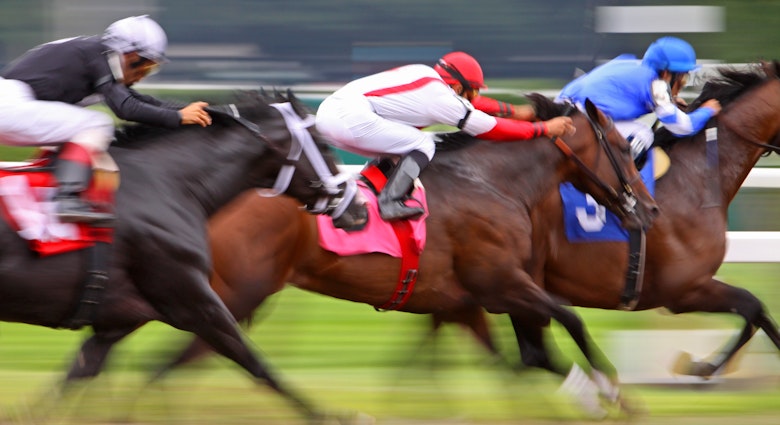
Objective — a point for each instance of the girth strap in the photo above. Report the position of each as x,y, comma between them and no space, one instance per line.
410,262
94,284
636,270
410,255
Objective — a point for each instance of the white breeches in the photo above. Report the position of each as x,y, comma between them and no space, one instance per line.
351,124
26,121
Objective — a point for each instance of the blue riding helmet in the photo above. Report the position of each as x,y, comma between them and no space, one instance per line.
670,54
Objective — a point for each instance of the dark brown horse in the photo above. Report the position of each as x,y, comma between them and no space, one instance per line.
480,244
172,181
687,244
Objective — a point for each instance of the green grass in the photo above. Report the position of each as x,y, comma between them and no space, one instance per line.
346,356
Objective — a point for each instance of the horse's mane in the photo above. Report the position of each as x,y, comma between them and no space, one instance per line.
728,85
254,105
545,109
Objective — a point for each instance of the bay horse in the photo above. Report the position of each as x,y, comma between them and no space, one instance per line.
480,241
173,180
687,243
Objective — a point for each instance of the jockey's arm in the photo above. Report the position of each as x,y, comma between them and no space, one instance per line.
501,109
126,104
673,118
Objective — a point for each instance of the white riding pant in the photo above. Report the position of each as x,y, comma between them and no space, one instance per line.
350,124
26,121
639,134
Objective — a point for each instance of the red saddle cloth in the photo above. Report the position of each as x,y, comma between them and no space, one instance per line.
26,203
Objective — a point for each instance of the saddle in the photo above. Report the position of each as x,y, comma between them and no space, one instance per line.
26,192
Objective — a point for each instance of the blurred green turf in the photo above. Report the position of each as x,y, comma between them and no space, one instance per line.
347,356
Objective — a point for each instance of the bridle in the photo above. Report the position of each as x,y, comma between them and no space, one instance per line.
626,199
339,190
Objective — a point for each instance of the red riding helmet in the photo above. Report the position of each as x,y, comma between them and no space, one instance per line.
459,67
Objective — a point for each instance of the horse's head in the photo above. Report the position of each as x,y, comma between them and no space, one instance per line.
307,167
600,162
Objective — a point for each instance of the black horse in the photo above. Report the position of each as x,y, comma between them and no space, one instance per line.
172,181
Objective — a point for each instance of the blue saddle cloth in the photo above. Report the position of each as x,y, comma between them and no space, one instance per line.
587,221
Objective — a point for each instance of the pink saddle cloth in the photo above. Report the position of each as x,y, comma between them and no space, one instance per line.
377,236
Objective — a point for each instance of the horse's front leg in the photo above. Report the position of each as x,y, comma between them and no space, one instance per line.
92,355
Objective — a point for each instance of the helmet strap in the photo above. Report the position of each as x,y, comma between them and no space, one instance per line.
115,60
457,75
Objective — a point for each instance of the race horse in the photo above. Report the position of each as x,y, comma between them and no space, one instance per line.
480,240
687,243
173,180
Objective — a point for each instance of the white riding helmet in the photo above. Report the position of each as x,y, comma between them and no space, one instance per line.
138,34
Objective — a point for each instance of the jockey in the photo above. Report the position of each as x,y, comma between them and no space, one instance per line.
626,89
42,94
384,113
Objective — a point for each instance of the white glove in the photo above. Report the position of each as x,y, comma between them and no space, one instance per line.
639,144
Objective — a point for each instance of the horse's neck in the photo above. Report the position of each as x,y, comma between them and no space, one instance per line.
520,173
738,128
210,167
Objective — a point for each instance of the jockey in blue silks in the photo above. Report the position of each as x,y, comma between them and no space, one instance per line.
626,89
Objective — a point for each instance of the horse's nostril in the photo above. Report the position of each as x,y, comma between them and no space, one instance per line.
655,211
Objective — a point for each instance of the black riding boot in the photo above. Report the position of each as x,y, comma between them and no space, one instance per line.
396,191
72,179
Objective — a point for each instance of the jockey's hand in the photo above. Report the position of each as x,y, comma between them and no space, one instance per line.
712,104
560,126
194,113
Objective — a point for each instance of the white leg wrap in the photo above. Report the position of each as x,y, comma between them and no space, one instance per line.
579,386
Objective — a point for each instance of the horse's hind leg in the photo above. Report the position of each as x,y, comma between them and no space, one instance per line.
720,297
196,349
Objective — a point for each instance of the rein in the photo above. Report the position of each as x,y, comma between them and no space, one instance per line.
772,146
626,199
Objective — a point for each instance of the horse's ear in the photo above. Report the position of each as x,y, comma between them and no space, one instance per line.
300,108
592,110
771,69
278,96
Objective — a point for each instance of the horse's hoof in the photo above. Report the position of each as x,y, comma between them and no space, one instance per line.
686,365
631,409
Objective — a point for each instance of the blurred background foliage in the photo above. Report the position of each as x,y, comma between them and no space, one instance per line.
283,42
